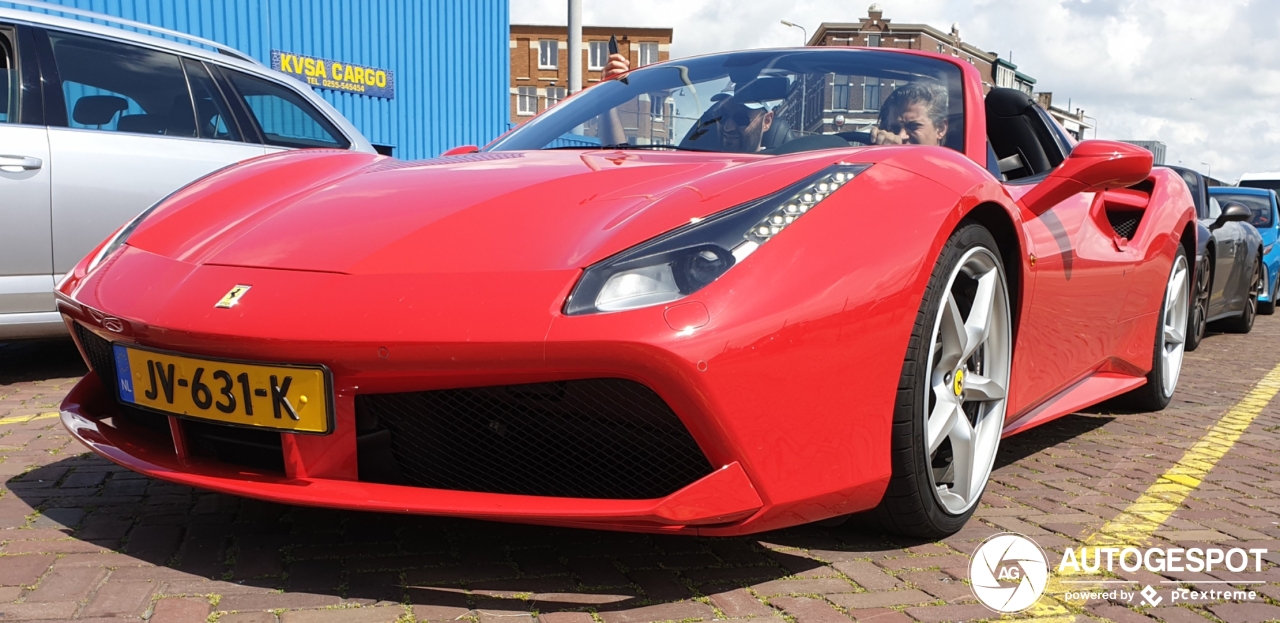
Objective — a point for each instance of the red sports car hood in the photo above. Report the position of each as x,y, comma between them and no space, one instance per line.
498,211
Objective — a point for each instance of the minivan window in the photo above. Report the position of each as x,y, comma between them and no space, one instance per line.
285,118
213,116
8,80
119,87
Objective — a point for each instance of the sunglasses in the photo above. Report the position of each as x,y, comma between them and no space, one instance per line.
741,115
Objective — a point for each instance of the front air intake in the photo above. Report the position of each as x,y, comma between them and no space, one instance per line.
596,438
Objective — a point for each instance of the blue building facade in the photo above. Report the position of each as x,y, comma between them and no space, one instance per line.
446,62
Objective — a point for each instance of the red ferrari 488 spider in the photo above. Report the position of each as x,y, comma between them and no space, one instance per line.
687,300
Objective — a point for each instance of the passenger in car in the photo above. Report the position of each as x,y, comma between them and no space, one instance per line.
914,114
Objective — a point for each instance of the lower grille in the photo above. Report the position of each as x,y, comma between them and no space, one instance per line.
101,359
597,438
258,449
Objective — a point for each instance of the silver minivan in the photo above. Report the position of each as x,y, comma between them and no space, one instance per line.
97,123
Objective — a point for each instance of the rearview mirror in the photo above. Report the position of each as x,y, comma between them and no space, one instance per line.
1093,166
461,149
1232,212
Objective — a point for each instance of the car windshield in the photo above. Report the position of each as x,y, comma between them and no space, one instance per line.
766,101
1261,206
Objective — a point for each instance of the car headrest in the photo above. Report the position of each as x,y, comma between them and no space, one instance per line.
1008,103
141,124
778,134
182,121
97,109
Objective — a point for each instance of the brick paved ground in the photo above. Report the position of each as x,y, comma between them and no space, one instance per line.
85,540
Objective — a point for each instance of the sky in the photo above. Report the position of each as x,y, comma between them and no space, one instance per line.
1201,76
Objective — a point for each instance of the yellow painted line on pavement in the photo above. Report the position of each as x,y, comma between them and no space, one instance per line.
23,419
1139,521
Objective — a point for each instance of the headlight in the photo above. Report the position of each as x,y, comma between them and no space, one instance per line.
685,260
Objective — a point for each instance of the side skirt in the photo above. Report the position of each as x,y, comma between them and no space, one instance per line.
1089,391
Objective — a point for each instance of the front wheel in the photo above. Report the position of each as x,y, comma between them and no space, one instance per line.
1169,345
1244,322
951,401
1197,318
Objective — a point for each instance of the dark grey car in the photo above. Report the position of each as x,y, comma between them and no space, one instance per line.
1228,265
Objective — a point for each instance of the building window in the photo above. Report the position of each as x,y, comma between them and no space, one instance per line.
648,53
840,93
548,53
526,100
555,94
941,48
873,41
871,94
597,54
657,105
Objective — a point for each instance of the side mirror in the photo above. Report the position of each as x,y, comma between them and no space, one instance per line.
461,149
1232,212
1093,166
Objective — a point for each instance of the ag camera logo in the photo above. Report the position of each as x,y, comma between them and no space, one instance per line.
1008,572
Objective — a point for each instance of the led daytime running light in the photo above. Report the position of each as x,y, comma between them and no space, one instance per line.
796,205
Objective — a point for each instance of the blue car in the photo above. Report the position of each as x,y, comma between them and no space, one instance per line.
1266,219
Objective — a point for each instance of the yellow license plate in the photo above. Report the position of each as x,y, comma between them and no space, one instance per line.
288,398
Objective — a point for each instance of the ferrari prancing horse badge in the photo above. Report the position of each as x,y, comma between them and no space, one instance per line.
233,297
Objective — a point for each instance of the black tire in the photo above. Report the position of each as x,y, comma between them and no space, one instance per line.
1152,395
909,507
1244,322
1196,319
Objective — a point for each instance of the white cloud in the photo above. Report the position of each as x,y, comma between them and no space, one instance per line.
1197,75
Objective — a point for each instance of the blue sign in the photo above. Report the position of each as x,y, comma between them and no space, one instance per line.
338,76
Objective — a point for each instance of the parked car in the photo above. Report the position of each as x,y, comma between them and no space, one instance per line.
1226,285
1262,204
692,335
98,122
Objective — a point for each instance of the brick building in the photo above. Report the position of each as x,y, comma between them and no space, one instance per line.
843,105
540,71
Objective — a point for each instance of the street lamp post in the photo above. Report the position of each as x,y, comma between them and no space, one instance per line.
802,29
1210,173
803,81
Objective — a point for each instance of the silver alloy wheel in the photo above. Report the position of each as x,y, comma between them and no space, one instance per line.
1175,325
968,376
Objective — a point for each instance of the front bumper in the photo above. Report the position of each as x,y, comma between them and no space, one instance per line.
723,497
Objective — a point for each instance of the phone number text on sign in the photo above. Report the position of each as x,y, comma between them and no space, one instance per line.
336,75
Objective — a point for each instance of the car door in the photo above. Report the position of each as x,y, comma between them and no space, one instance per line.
26,245
136,123
1225,292
1081,267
